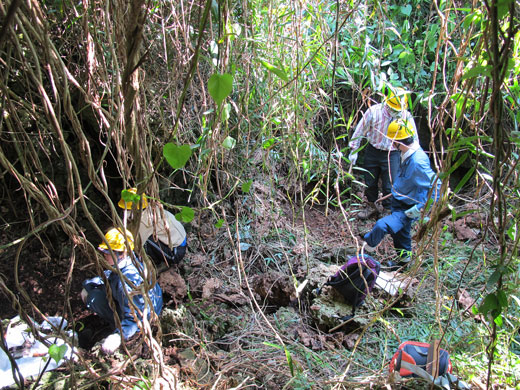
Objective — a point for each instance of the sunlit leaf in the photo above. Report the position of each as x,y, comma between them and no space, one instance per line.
176,155
220,86
219,223
185,215
289,361
477,71
229,143
226,110
57,352
246,186
130,197
270,142
277,71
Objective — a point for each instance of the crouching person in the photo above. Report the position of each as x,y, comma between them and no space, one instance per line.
94,293
163,237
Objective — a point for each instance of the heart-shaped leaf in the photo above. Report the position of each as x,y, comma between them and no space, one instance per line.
176,155
57,352
220,86
406,10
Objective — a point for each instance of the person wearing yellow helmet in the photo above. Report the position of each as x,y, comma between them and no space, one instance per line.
381,159
164,238
414,186
116,248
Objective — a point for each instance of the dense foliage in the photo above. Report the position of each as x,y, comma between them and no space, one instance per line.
197,102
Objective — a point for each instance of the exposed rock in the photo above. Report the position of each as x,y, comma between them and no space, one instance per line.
173,284
274,288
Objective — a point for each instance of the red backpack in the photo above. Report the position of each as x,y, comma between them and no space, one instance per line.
411,354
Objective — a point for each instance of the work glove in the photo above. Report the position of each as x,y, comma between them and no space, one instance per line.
111,343
413,212
353,158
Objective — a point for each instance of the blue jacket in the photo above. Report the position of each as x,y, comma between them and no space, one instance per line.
118,287
414,180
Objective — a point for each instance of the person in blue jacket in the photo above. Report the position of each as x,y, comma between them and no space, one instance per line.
409,194
94,293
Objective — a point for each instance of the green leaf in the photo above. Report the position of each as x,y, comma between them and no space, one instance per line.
490,303
268,143
289,361
502,298
267,343
141,385
219,223
246,186
503,8
493,279
229,143
477,71
130,197
277,71
406,10
226,111
57,352
498,320
176,155
186,214
220,86
464,179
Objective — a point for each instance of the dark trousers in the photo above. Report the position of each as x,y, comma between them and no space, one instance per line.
97,301
376,165
161,253
398,225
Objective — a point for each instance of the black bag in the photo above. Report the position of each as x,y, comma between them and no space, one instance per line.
355,280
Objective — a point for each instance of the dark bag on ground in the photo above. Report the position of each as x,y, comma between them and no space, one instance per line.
355,280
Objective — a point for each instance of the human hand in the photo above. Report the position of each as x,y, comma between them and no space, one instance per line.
413,212
111,343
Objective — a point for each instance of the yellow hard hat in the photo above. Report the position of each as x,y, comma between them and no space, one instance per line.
116,240
128,204
397,101
399,129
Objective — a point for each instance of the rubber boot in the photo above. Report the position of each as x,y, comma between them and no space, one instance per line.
369,212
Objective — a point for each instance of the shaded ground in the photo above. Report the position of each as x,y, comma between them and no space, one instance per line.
213,330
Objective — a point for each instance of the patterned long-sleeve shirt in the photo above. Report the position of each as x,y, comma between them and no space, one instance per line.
374,125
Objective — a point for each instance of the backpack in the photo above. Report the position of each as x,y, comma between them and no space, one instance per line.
420,354
426,361
354,280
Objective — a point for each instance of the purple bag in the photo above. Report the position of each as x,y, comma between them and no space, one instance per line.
355,279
